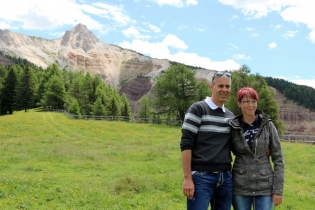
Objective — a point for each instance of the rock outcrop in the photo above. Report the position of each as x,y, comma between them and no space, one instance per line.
80,50
298,120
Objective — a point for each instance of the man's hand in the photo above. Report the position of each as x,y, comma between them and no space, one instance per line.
268,151
188,188
276,199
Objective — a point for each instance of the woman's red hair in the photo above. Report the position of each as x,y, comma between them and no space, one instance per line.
247,92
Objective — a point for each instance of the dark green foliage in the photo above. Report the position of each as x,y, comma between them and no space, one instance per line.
144,109
54,96
74,107
242,78
26,89
8,92
19,61
203,90
125,106
98,108
175,91
173,63
303,95
113,108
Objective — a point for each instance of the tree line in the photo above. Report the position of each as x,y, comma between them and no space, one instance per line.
177,88
23,87
302,94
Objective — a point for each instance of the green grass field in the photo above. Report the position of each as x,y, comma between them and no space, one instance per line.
51,162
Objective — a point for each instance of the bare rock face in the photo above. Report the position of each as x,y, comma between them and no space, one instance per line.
80,50
298,120
4,61
134,90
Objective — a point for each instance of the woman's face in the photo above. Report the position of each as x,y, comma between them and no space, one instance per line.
248,106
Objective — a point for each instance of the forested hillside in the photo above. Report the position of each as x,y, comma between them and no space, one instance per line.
23,87
303,95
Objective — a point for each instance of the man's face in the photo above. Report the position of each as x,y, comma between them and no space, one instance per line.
220,90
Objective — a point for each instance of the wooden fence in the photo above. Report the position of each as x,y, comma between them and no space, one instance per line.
286,138
120,118
298,138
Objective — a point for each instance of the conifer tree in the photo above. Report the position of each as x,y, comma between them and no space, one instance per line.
74,107
98,108
55,93
8,93
175,91
125,106
145,108
26,89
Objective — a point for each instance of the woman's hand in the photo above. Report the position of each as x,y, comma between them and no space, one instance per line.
276,199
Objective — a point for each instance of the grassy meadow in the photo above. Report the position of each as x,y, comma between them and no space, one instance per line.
51,162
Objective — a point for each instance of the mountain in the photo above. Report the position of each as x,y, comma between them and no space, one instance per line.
298,120
80,50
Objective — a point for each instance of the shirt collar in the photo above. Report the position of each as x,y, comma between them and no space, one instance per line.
242,123
212,105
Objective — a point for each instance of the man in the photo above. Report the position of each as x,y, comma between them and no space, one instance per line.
205,146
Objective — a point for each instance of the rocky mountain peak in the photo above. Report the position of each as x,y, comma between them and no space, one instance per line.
80,37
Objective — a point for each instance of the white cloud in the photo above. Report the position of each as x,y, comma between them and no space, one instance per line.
154,28
132,32
173,41
51,14
249,29
175,3
289,34
161,50
242,57
191,2
6,25
255,9
194,59
155,50
302,13
310,83
181,27
234,17
255,34
297,11
199,29
57,34
112,13
233,46
272,45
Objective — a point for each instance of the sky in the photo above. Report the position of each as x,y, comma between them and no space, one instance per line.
274,38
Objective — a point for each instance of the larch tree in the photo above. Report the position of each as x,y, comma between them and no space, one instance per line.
26,89
8,93
175,91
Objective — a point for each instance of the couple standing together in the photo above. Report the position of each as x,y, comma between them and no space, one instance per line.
210,132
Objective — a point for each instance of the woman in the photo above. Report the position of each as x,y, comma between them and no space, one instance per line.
256,183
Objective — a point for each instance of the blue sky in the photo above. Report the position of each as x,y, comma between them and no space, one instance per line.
272,37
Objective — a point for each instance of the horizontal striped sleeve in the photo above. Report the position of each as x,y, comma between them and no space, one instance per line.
191,122
217,119
192,117
214,129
